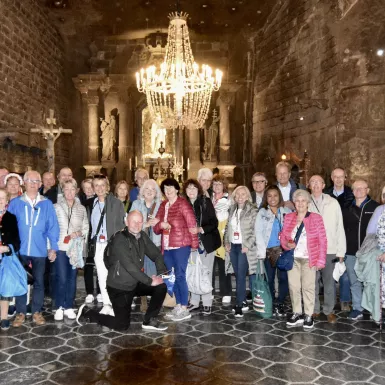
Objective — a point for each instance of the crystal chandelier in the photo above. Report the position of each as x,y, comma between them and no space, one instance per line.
180,92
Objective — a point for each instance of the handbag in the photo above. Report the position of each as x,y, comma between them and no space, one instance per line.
92,242
273,253
262,300
169,280
286,260
13,277
198,276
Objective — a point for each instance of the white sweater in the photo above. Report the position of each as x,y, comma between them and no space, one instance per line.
79,221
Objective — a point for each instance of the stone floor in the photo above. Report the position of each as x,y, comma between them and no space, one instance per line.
214,350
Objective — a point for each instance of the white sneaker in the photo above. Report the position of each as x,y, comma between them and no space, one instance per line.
107,310
173,312
89,299
99,298
70,314
59,314
226,299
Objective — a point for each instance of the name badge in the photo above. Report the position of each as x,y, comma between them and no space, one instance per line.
102,238
236,236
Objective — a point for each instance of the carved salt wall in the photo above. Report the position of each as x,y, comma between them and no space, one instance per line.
31,82
320,86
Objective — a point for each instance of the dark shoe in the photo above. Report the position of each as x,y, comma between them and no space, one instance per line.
245,307
238,312
249,297
11,311
193,307
355,315
279,310
345,306
332,319
153,324
308,323
295,320
83,309
206,310
4,324
316,315
29,310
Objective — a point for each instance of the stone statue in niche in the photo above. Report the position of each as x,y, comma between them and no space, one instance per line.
211,137
158,135
108,138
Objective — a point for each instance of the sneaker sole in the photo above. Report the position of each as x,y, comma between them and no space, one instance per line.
148,327
181,319
357,318
80,312
238,315
4,329
298,323
308,327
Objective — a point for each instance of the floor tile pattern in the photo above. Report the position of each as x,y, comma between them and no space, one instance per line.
215,350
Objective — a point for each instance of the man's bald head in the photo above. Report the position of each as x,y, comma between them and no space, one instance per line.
134,222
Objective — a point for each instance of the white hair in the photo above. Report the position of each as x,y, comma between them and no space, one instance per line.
205,172
143,170
241,188
152,183
27,174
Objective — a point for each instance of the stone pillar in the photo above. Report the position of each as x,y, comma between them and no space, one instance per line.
194,153
224,102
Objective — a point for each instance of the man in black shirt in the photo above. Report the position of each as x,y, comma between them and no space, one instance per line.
339,190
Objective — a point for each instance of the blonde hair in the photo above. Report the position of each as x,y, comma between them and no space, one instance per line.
236,191
7,196
283,164
71,182
105,179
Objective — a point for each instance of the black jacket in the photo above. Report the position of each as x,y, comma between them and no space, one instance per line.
50,194
207,219
114,213
10,231
345,199
124,260
356,221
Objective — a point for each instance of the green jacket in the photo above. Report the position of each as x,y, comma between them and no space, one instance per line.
367,269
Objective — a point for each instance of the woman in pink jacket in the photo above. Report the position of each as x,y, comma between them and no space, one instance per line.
309,256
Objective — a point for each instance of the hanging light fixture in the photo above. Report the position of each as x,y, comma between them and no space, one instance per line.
180,92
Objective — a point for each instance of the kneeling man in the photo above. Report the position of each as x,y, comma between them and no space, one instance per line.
124,260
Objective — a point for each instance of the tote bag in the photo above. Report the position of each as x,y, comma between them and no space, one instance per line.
198,275
262,300
13,277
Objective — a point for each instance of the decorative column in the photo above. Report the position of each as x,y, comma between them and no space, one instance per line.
224,102
194,153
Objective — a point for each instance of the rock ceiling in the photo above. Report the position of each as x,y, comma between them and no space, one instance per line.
210,18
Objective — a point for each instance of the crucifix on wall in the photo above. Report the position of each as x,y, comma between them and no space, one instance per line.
51,134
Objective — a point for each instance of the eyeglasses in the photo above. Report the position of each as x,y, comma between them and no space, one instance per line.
258,181
33,181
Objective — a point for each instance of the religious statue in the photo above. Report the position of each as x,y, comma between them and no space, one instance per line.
50,151
108,138
211,136
158,134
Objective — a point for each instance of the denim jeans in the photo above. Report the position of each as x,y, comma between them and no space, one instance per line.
38,269
65,284
178,259
345,288
240,266
283,283
355,284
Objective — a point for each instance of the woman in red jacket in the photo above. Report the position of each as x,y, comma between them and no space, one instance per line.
176,218
309,256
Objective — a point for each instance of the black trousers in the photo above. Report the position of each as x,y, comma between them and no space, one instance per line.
89,280
121,303
224,279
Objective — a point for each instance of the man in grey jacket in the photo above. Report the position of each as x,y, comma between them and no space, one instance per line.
124,260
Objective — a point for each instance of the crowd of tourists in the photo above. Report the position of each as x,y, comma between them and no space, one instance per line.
131,239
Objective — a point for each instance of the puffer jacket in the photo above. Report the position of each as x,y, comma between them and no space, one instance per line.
316,237
181,217
247,222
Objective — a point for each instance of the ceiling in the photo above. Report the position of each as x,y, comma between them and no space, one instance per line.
219,18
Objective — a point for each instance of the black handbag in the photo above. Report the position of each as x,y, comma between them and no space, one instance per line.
28,269
92,242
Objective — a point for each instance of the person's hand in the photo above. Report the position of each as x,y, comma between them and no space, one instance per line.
156,281
4,249
165,226
51,255
74,235
381,258
245,250
152,222
227,246
289,205
291,245
194,230
341,259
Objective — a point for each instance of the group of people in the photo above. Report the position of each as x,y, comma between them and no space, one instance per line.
134,238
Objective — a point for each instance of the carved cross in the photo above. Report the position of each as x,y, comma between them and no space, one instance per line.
51,134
